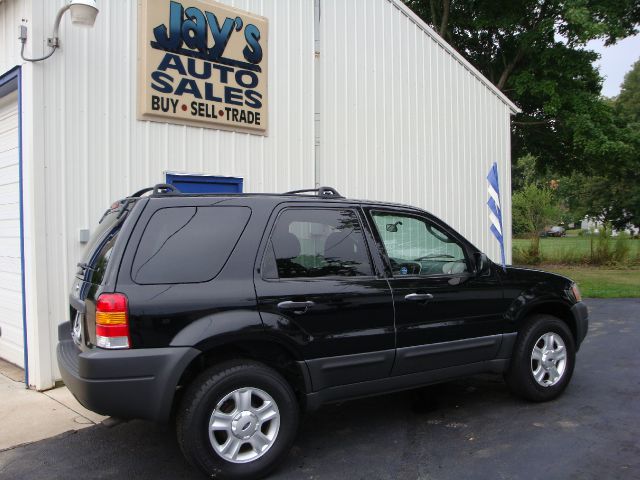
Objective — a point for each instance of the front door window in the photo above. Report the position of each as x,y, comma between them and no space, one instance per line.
416,247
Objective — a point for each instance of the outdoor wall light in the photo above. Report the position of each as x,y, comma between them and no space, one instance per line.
83,13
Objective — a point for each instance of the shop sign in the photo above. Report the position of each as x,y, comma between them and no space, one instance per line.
202,63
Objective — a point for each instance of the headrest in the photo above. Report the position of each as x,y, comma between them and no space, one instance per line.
340,245
286,245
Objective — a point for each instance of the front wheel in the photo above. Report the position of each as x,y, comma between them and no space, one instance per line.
543,359
238,420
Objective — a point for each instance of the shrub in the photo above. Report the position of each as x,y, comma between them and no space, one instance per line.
621,249
529,255
596,249
533,208
604,251
566,256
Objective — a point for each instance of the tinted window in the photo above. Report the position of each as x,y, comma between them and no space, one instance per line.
98,267
319,243
94,262
417,247
187,244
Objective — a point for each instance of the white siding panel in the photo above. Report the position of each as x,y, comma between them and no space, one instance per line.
402,118
405,120
11,14
11,340
96,151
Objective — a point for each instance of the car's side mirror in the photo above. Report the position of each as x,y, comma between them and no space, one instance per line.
482,264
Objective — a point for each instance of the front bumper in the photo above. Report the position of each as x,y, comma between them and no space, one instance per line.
580,314
137,383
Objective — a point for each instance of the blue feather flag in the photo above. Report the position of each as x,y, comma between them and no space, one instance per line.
495,208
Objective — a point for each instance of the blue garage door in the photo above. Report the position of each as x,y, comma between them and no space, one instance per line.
205,183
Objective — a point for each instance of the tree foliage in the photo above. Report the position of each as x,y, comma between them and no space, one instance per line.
532,50
627,104
611,199
610,190
534,207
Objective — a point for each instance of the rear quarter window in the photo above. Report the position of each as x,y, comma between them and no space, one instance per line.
187,244
95,259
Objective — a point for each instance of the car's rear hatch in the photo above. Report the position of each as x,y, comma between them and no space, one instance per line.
92,271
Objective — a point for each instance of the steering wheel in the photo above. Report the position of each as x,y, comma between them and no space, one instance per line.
439,235
413,268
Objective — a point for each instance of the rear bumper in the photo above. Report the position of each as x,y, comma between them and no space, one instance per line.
580,314
123,383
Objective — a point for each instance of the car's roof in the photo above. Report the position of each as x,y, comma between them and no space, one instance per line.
279,197
273,199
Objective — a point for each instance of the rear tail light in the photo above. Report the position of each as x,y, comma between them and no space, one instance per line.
576,292
112,321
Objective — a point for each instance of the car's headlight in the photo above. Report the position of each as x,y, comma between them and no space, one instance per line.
576,292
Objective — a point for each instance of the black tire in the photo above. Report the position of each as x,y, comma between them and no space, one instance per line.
201,398
519,376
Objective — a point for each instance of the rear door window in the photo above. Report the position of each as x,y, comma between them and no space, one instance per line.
317,243
187,244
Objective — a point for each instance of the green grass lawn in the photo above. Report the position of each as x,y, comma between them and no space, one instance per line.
597,282
574,250
570,256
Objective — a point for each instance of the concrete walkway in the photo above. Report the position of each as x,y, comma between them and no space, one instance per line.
28,416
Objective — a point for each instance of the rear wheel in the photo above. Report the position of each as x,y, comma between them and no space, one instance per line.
543,359
238,420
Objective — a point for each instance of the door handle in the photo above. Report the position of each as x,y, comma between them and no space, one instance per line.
418,297
296,307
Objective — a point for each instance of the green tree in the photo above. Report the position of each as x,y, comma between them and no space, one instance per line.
610,193
534,208
610,190
524,171
627,104
532,50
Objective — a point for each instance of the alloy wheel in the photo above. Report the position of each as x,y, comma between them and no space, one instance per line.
244,425
548,359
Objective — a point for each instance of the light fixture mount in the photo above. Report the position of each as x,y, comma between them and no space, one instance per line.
83,13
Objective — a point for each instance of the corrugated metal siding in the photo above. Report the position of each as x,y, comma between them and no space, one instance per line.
11,340
11,14
96,150
403,120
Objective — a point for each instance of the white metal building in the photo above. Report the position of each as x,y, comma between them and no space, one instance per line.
362,96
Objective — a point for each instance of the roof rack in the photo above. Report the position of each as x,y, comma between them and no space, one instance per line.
157,189
325,192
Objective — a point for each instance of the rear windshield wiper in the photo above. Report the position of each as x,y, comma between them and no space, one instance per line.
107,212
120,206
86,266
123,208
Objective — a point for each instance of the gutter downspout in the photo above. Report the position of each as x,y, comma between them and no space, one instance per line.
317,91
22,262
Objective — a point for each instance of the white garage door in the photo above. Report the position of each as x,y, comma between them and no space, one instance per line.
11,339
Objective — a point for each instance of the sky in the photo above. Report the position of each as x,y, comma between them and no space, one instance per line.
615,61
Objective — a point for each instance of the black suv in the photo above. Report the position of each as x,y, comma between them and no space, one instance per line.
234,313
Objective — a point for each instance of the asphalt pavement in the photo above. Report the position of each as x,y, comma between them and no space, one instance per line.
465,429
